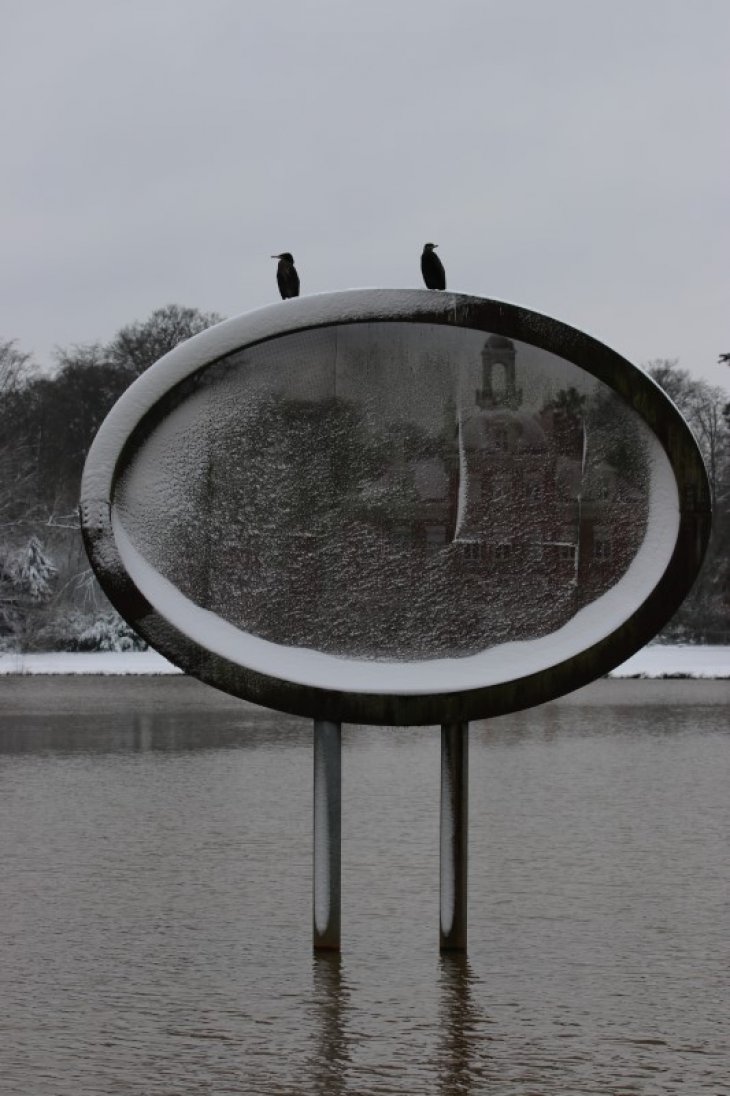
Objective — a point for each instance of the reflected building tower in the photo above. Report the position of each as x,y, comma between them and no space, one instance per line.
506,469
533,505
499,357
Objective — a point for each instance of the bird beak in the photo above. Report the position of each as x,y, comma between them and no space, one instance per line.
276,256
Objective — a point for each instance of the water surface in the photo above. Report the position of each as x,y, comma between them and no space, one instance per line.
155,859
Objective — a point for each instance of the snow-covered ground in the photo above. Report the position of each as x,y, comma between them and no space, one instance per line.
656,660
659,660
92,662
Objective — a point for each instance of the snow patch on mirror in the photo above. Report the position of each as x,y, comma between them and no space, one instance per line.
504,662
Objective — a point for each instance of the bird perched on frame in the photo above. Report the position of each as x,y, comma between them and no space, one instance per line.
432,268
286,275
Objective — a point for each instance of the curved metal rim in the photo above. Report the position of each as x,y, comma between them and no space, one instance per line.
402,306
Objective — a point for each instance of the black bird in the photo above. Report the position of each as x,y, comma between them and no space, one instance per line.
432,268
286,275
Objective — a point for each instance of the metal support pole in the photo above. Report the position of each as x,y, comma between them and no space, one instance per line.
454,835
327,834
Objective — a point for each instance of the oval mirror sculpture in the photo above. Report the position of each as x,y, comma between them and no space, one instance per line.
396,507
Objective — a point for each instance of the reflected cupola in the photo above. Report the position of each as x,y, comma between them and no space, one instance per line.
499,375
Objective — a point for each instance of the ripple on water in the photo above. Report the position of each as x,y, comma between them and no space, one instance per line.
156,904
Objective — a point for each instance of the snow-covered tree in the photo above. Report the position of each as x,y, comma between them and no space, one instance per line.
31,571
107,631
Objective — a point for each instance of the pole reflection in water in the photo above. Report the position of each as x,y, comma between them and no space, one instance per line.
461,1026
330,996
143,728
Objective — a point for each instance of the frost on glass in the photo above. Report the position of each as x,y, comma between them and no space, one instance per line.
389,491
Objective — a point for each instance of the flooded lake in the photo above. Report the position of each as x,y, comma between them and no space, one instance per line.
155,899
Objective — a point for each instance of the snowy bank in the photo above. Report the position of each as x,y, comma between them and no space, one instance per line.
88,662
658,660
654,661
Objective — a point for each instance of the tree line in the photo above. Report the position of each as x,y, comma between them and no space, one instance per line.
49,598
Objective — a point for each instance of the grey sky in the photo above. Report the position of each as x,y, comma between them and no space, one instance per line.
569,155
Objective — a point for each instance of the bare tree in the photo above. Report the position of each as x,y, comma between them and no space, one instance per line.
17,370
705,408
702,405
138,345
15,367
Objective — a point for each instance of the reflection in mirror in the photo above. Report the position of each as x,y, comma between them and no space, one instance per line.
390,491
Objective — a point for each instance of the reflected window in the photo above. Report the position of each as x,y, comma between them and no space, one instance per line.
435,537
500,487
532,490
501,438
602,547
475,551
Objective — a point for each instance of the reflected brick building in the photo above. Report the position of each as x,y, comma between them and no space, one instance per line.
365,535
524,494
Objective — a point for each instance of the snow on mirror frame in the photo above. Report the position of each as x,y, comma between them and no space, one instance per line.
395,507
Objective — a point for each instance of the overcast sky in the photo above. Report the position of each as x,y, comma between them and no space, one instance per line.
572,156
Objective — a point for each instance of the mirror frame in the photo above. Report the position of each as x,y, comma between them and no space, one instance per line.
107,455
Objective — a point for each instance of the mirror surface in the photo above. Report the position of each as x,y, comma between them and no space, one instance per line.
397,492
